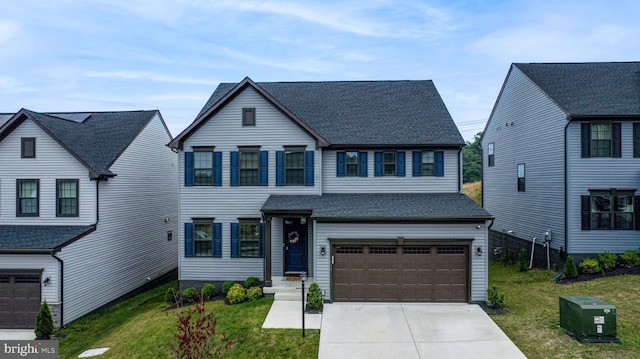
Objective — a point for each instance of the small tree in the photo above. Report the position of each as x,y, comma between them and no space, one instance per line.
569,270
196,334
495,300
314,298
44,322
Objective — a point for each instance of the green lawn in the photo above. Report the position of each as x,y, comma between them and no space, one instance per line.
141,328
532,302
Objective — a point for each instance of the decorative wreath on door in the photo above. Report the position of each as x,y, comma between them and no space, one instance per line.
294,237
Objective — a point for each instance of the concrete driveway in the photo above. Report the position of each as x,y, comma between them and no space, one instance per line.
408,331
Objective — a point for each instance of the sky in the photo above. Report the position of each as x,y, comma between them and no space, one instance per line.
72,55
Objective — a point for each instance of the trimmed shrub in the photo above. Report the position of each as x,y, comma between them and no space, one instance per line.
254,293
44,322
171,296
236,294
314,298
252,282
607,261
590,266
189,294
208,291
569,270
630,259
226,286
495,299
523,262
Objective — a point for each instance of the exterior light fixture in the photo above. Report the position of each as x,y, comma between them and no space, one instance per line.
323,251
479,251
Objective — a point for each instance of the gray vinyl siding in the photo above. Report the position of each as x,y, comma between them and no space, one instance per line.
225,203
44,262
525,127
52,162
408,184
129,246
479,264
599,173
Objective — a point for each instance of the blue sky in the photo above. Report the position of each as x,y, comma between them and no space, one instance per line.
170,55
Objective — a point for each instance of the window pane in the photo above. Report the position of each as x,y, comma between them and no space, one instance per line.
428,163
249,168
389,163
294,168
27,197
203,168
249,240
67,198
352,163
601,140
202,239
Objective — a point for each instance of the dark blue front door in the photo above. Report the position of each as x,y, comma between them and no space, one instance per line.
295,243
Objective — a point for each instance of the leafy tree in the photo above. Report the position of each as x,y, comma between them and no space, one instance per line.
472,160
44,322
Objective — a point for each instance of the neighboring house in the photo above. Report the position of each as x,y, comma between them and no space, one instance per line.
88,210
358,184
561,159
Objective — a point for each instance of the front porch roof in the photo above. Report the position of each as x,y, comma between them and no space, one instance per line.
378,206
39,238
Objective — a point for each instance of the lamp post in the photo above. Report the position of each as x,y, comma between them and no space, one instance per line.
302,278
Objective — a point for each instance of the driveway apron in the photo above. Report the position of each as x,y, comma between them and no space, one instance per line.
408,331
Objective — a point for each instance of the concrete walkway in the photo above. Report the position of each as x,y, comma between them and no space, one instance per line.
17,334
411,331
285,314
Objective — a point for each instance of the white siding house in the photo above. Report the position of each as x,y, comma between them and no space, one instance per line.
100,219
278,179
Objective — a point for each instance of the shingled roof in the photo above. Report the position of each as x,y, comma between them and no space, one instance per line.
39,238
379,206
96,139
589,89
355,112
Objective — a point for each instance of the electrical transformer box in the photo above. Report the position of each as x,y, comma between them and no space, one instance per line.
588,319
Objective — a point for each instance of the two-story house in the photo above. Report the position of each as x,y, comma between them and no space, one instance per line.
357,184
561,159
88,210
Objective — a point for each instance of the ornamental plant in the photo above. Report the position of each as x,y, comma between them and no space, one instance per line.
196,334
314,298
236,294
590,266
630,259
44,322
171,296
252,282
254,293
208,291
569,270
495,299
608,261
189,294
226,286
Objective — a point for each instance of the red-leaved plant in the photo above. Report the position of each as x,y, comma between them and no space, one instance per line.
196,333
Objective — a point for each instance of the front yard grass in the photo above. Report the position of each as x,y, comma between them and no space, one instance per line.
140,327
532,301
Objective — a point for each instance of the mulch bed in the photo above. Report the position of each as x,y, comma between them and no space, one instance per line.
585,277
492,310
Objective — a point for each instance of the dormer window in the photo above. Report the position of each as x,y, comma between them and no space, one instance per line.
248,117
28,147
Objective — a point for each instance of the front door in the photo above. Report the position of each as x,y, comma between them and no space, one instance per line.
295,243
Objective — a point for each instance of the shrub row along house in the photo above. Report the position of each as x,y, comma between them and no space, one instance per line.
561,159
357,184
88,210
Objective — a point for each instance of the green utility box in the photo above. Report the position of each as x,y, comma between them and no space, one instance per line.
588,319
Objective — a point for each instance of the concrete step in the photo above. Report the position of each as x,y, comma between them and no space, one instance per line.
288,296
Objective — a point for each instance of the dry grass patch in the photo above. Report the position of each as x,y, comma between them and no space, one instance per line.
473,190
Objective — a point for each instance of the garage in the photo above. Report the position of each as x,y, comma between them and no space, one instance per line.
19,300
400,273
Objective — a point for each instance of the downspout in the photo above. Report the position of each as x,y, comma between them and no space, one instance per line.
566,188
61,285
460,174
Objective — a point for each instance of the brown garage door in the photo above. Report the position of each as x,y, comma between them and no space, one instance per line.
19,301
368,273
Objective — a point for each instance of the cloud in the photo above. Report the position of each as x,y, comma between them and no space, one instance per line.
8,30
138,75
11,85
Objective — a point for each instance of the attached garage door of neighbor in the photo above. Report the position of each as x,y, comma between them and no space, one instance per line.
374,273
19,301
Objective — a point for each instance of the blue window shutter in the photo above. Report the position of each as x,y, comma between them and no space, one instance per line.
616,140
261,243
308,168
378,164
264,168
439,163
217,240
586,139
217,168
362,164
417,163
340,158
235,240
188,239
400,156
188,169
235,168
279,168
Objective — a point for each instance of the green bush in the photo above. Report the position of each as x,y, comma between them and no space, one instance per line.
314,298
44,322
630,259
236,294
226,286
252,282
254,293
495,299
523,262
607,260
171,296
590,266
189,294
208,291
569,270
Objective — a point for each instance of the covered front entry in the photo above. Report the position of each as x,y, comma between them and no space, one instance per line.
400,273
295,244
19,300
